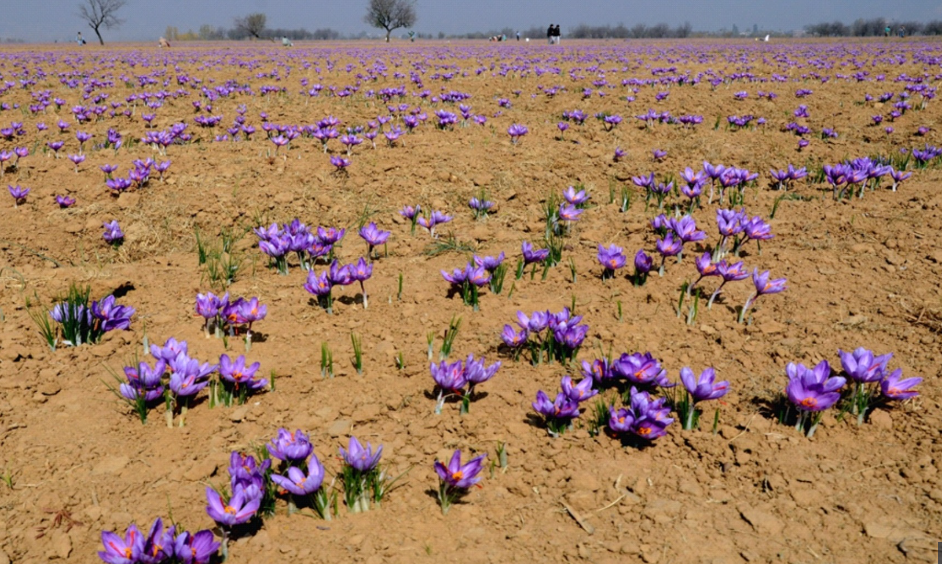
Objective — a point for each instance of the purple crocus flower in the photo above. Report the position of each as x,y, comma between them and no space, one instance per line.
170,351
516,131
111,315
579,392
658,154
513,338
895,388
560,409
639,369
290,446
812,389
299,483
158,545
360,458
240,508
19,194
575,198
113,233
569,212
119,550
530,255
340,163
489,264
237,373
686,229
373,236
862,366
449,377
703,387
611,258
460,476
195,549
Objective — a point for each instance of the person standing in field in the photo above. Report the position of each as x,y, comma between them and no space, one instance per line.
556,35
549,34
79,39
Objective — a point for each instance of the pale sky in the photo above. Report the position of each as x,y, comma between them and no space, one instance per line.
146,20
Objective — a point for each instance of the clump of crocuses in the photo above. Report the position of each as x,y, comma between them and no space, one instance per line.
76,319
468,282
645,417
232,317
555,336
249,486
278,242
455,478
811,391
158,546
299,474
321,285
871,381
459,379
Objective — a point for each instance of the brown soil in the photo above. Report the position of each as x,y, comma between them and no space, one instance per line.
861,273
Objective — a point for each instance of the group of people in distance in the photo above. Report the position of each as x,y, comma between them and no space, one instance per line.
552,34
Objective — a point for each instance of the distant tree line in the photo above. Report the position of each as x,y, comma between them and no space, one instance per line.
210,33
873,27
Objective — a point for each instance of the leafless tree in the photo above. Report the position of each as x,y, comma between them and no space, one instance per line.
390,14
252,24
101,14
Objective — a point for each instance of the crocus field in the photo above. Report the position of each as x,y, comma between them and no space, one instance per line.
603,302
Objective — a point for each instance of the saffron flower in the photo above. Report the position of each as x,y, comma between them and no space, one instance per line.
340,164
195,549
127,550
532,256
240,508
19,194
65,201
113,234
290,446
516,131
456,479
374,237
645,417
574,197
300,483
361,458
698,389
812,391
896,388
611,258
643,263
763,286
557,414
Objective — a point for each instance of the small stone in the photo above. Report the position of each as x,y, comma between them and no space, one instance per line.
111,464
763,523
49,388
881,419
61,545
239,413
339,427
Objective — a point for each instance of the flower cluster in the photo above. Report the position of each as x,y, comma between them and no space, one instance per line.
557,336
78,322
309,245
234,317
159,546
452,379
814,390
559,413
321,285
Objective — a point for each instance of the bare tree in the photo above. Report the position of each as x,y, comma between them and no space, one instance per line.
252,24
101,14
390,14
